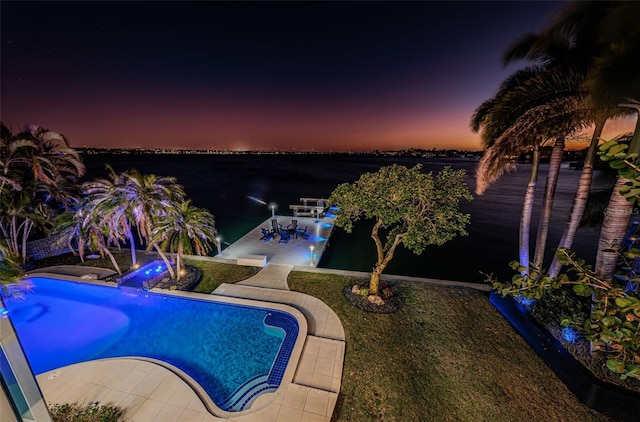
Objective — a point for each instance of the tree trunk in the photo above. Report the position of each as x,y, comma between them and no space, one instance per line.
374,282
614,228
26,230
132,245
547,202
113,261
383,259
580,200
166,260
616,222
179,262
527,210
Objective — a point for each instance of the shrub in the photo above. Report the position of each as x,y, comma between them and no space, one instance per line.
92,412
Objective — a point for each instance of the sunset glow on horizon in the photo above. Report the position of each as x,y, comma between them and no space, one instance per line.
258,76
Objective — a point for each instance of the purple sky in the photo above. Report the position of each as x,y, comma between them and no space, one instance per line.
292,75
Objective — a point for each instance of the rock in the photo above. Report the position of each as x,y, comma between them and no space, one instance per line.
355,289
376,300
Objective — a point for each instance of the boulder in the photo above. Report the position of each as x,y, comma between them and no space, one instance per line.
376,300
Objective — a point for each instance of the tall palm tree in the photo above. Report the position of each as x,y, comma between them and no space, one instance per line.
612,81
149,196
532,107
571,42
185,229
108,199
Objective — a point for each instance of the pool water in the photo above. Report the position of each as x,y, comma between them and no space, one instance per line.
224,347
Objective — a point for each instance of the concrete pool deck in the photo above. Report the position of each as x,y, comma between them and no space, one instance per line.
148,391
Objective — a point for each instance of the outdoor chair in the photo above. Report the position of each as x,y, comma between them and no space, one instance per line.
275,227
302,233
285,237
266,235
293,225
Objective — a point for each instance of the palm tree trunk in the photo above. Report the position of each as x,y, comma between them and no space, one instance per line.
113,261
527,210
179,261
616,222
580,200
166,260
547,202
26,230
132,245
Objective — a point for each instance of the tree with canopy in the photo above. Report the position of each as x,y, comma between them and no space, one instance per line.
39,174
414,209
184,229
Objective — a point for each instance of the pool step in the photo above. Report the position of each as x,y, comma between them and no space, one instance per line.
242,398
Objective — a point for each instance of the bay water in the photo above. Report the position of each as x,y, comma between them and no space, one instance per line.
239,189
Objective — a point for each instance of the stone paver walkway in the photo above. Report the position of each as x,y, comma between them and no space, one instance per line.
149,391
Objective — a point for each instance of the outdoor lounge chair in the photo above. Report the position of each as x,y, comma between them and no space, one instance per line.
284,237
302,233
266,235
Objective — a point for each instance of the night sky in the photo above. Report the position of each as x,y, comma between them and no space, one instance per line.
240,75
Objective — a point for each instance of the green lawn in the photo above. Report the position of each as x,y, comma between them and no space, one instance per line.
447,355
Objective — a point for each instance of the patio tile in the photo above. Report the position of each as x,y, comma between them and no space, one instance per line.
190,416
295,398
95,393
165,390
148,385
148,411
113,398
169,413
288,414
130,381
324,366
131,403
317,402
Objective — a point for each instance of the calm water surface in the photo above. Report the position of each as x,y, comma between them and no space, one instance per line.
223,185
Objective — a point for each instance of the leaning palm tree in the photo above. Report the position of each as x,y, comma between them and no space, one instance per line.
185,229
83,229
149,196
570,43
108,199
532,107
613,81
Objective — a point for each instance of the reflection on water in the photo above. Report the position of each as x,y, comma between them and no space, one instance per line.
239,190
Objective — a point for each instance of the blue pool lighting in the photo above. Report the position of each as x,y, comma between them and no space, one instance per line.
235,352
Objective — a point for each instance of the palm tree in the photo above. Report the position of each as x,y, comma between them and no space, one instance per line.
570,43
612,81
38,172
149,196
532,107
108,199
185,229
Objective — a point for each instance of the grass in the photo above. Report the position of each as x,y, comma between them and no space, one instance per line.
447,355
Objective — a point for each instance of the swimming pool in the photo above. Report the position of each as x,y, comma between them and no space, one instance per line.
235,352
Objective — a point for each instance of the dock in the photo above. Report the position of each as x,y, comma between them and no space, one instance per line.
306,251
